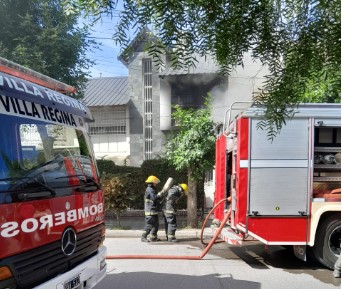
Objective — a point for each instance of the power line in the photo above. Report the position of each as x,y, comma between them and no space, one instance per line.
101,38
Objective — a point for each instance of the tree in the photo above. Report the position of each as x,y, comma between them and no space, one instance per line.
39,35
299,41
192,148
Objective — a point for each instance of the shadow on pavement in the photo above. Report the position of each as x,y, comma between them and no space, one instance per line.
172,281
258,257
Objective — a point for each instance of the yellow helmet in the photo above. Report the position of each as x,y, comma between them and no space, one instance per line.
184,187
152,179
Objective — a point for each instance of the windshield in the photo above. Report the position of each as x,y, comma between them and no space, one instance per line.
39,159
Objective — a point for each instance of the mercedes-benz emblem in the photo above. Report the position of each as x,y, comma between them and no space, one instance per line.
67,205
68,241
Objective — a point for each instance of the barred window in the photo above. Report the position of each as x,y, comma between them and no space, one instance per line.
107,130
108,120
147,78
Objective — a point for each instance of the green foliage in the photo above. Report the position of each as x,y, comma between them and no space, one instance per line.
105,166
39,35
163,170
130,177
192,148
114,193
116,197
13,166
299,42
94,8
133,178
193,145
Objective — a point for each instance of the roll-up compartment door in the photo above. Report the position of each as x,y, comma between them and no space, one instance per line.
279,170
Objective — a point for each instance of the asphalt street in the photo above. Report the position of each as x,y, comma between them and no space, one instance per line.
250,266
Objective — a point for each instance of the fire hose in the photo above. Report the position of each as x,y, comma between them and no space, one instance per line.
204,252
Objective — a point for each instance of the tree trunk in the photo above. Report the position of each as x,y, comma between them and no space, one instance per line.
192,201
118,218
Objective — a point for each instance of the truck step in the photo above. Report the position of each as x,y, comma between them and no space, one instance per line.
228,235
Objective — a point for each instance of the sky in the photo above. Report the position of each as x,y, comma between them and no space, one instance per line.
107,64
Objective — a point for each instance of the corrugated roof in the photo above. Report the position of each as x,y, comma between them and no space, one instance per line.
106,91
204,65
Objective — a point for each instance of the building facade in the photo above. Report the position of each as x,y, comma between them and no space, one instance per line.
108,102
131,124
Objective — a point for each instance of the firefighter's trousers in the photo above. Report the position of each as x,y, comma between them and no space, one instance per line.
170,221
151,225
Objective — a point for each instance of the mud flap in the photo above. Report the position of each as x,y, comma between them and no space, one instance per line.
300,251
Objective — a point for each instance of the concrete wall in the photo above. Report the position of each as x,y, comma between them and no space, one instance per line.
243,84
165,104
112,147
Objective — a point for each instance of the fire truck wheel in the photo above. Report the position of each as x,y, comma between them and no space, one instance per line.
328,241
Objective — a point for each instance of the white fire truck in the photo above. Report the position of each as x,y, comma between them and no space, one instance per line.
286,191
51,205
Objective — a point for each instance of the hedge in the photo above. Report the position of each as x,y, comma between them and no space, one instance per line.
134,178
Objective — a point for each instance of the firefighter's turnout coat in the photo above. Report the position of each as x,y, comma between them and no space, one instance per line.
151,201
170,210
170,202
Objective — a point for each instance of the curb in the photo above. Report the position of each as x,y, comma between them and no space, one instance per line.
193,233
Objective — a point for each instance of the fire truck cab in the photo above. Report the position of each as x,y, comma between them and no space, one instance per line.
285,191
51,205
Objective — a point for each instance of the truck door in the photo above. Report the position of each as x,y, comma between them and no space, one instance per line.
279,174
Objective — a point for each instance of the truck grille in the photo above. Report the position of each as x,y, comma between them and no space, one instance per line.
40,264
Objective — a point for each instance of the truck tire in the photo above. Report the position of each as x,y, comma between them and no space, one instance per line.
328,241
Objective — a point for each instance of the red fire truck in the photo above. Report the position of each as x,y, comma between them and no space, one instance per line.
51,205
285,191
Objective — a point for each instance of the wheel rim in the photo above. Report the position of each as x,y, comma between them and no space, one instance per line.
335,241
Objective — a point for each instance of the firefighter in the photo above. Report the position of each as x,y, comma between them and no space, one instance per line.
170,210
152,205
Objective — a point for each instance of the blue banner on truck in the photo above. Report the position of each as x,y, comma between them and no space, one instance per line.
23,98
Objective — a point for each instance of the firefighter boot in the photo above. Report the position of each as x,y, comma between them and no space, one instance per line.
154,238
172,238
144,237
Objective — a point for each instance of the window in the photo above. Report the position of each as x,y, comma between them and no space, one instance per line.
108,120
328,136
147,79
36,159
41,143
191,91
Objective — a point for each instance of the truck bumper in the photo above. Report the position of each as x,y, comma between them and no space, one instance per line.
84,276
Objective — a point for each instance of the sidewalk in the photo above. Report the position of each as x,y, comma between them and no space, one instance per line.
189,233
138,222
133,227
